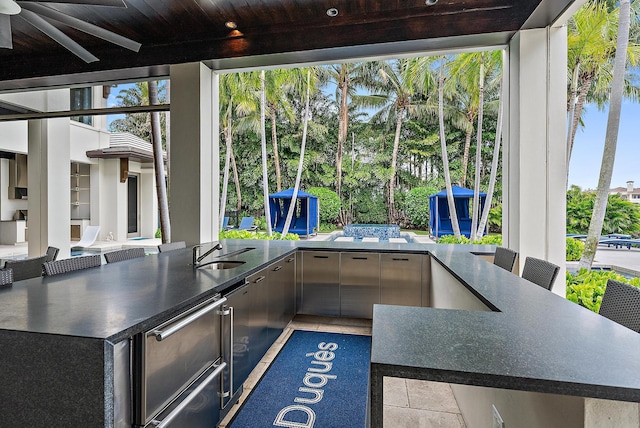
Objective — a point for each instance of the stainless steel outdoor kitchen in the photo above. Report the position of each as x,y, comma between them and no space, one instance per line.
161,340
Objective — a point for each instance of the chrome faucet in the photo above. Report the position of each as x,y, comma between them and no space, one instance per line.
197,259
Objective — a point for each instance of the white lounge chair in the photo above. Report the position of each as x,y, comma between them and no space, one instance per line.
89,236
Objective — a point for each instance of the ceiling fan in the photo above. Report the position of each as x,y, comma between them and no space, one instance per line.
48,20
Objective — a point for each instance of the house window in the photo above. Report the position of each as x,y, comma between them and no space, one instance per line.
636,196
81,100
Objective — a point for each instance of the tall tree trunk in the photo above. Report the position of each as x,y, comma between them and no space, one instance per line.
496,149
465,157
158,164
475,233
611,138
343,121
571,110
394,161
445,157
227,161
263,138
236,180
274,139
296,187
575,121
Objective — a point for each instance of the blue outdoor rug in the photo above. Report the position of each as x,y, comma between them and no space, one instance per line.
318,380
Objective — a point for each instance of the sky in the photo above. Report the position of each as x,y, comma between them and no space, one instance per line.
584,170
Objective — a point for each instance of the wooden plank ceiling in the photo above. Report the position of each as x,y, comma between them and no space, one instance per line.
177,31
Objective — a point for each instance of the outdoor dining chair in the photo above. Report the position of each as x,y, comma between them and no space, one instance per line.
505,258
247,224
171,246
540,272
621,303
126,254
52,253
70,265
26,268
6,277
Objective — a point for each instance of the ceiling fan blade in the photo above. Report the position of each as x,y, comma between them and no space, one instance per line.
58,36
83,26
5,32
114,3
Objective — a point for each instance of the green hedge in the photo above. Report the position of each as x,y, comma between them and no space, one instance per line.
574,249
245,234
586,288
486,240
329,203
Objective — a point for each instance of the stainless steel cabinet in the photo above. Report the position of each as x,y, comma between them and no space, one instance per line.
259,318
401,279
359,284
281,295
240,300
320,283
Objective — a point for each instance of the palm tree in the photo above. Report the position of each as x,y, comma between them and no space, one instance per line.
347,77
263,140
496,147
158,164
445,156
395,97
591,48
611,137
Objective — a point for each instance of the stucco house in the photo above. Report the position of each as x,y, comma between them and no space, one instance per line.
111,180
629,193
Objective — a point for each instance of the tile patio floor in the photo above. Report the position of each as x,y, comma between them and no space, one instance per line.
408,403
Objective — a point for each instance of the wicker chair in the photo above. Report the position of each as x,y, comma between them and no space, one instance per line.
26,268
6,277
52,253
540,272
126,254
621,303
171,246
69,265
505,258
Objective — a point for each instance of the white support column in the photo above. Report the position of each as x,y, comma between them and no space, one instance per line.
194,198
113,201
49,169
148,203
534,167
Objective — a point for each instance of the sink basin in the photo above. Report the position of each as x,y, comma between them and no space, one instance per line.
223,264
235,253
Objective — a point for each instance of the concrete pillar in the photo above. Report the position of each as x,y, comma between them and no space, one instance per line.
49,168
113,201
534,166
148,203
194,198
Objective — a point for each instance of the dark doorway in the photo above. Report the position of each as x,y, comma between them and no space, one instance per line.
132,202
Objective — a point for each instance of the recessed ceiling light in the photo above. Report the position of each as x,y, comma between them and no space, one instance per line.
231,25
332,12
430,2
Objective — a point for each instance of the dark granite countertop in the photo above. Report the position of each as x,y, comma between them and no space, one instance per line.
535,341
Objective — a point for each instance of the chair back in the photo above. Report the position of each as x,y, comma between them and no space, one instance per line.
225,223
69,265
26,268
246,223
52,253
171,246
6,277
621,303
505,258
126,254
540,272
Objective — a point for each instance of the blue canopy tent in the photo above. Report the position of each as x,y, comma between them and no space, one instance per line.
306,216
440,218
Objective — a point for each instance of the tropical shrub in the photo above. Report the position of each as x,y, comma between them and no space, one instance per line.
329,203
574,249
486,240
417,206
586,288
495,219
158,233
245,234
621,216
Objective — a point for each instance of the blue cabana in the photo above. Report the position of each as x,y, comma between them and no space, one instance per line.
440,218
306,216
